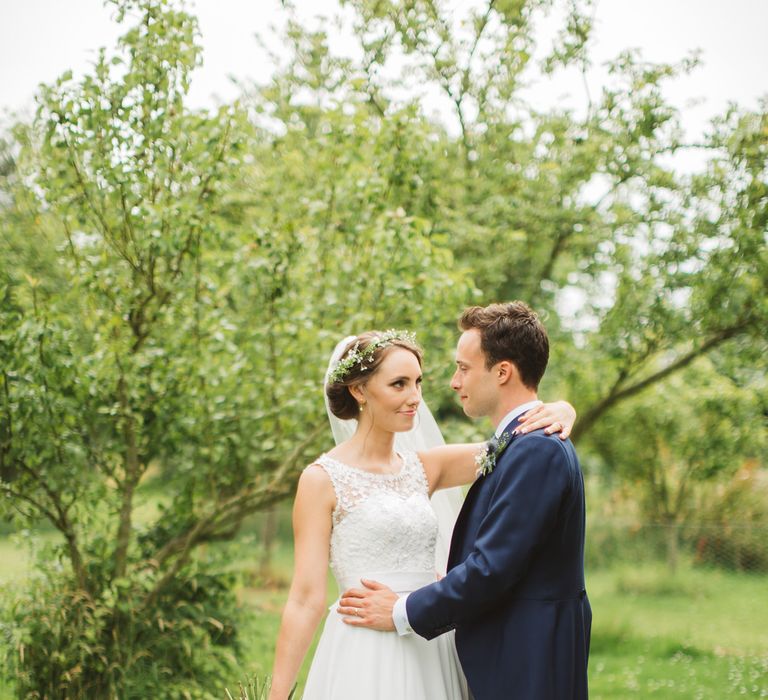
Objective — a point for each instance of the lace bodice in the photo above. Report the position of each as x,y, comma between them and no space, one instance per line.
382,522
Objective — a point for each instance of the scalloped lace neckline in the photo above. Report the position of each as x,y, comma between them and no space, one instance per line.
394,475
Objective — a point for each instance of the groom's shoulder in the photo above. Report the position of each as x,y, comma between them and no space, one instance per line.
539,444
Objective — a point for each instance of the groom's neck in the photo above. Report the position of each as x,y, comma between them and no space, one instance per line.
510,402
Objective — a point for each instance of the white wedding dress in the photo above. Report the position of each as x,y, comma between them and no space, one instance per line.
383,529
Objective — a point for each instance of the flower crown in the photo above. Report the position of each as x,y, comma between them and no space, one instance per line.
356,355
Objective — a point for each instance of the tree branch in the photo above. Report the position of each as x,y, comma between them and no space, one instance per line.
228,513
59,518
41,509
590,417
105,228
557,247
132,475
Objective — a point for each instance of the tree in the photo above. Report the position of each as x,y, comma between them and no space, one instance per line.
668,267
177,279
184,331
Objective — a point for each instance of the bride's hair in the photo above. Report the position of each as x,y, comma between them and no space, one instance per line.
341,402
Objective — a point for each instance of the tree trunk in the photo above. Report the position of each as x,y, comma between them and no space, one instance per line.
673,546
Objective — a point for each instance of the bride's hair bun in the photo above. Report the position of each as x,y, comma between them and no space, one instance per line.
341,402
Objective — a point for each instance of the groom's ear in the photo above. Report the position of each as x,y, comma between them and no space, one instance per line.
505,372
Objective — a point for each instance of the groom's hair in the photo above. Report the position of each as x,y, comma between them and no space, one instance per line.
512,332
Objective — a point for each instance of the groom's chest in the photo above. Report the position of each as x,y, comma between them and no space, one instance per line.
476,506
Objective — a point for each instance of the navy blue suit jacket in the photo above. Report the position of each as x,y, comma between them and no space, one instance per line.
515,590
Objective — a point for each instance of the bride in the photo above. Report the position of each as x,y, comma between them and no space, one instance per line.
364,508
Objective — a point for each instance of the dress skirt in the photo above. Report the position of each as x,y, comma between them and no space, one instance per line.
354,663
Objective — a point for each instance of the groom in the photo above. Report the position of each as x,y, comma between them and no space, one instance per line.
514,591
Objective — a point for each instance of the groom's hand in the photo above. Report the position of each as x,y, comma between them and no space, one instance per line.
370,607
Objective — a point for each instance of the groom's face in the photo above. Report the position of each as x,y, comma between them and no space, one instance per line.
472,381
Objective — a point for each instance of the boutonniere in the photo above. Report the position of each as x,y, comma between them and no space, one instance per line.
486,458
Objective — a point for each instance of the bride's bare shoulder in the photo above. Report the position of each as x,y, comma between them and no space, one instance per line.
314,473
315,484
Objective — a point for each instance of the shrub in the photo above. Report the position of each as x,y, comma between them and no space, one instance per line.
69,645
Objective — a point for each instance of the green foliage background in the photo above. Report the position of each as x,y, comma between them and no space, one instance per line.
173,281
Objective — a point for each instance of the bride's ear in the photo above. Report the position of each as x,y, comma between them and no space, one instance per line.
357,392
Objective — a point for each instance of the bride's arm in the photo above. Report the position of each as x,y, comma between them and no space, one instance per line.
306,602
454,465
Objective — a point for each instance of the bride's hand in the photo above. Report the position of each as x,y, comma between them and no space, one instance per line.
557,417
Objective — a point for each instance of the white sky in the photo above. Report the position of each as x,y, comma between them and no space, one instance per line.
40,39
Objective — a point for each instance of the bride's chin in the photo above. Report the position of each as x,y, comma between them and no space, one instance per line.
409,421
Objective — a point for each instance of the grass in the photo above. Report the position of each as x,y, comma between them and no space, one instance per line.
18,552
722,611
642,668
16,560
696,634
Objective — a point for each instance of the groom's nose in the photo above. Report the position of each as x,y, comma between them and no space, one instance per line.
455,381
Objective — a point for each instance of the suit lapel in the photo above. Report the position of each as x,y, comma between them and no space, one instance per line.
507,437
466,509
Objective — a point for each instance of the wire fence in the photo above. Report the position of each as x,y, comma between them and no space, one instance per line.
735,546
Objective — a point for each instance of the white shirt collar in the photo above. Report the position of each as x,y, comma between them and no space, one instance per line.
514,413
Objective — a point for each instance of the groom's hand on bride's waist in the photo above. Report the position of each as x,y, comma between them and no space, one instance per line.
368,607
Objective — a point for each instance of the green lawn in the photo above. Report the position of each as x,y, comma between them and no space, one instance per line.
15,560
709,609
699,633
696,634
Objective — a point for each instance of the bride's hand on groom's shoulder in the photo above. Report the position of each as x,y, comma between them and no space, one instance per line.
368,607
556,417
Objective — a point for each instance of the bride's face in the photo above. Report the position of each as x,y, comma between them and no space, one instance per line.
393,394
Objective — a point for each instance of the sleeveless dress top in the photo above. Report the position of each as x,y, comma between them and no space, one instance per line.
384,529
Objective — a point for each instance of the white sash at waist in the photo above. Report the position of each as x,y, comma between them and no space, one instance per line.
398,581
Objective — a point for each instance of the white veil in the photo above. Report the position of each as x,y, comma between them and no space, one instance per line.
425,434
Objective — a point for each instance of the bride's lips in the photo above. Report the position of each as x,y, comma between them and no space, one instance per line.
408,413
